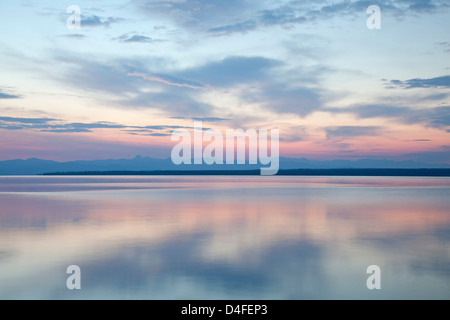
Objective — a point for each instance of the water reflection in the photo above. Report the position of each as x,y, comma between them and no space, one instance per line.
224,237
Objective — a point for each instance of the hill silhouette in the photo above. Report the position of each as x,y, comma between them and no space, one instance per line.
39,166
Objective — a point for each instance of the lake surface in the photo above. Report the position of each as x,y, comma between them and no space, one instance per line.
222,237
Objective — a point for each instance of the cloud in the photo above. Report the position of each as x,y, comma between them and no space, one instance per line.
289,91
106,76
179,93
8,96
231,71
66,130
375,111
136,38
241,27
130,80
174,101
176,96
445,45
283,98
96,21
294,134
169,80
294,12
195,13
26,120
49,125
157,134
435,97
97,125
422,5
437,82
352,131
4,95
437,117
286,14
281,94
205,119
164,130
166,127
10,127
58,126
74,36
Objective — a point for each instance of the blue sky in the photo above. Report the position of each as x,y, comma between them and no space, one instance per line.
136,70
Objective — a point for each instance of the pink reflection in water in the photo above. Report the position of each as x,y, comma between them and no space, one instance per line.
277,237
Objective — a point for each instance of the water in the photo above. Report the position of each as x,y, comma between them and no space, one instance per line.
224,237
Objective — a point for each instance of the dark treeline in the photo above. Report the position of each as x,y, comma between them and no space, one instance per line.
432,172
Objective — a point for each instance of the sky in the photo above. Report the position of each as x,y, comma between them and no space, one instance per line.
136,70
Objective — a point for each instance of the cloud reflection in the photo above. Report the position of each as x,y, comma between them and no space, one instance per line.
281,239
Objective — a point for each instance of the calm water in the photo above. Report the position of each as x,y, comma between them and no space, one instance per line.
224,237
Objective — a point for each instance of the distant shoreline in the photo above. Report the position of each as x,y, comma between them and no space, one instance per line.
425,172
